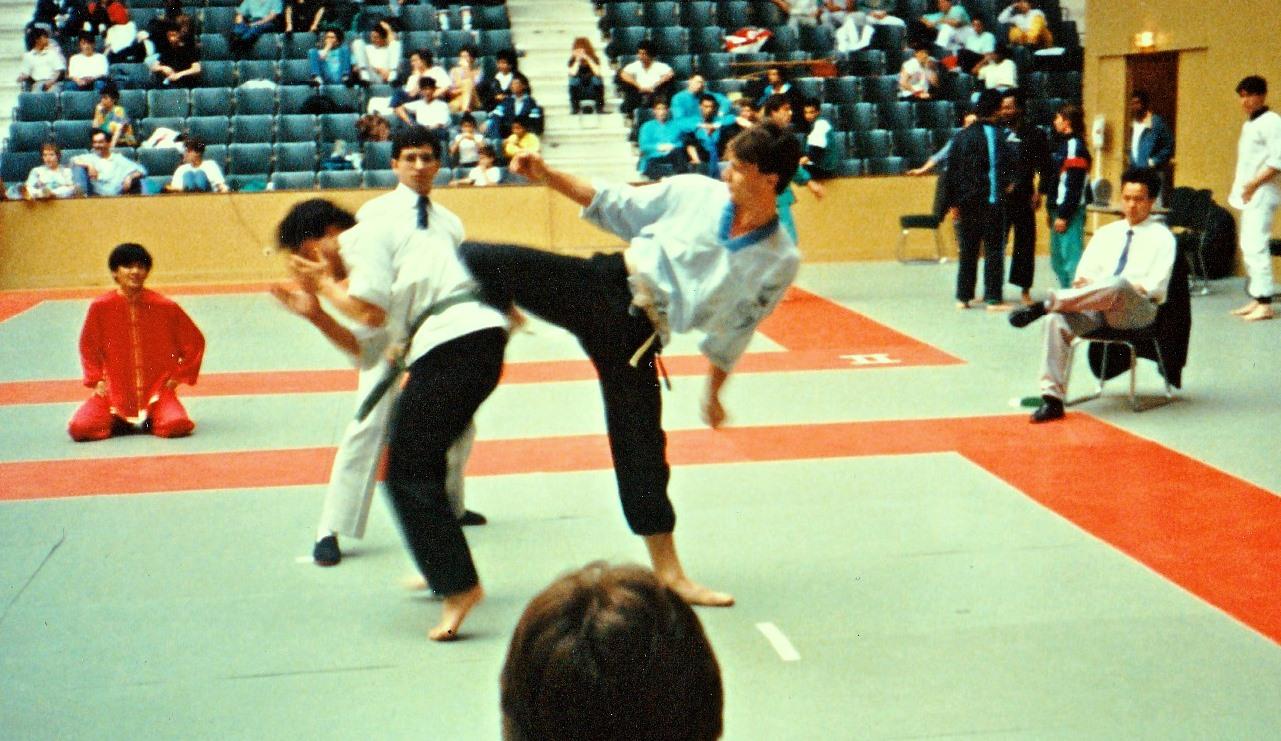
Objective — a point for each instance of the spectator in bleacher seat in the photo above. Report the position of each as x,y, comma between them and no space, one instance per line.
645,80
304,15
1032,163
776,84
87,70
110,118
834,12
422,63
253,19
179,64
465,80
372,127
521,139
778,110
745,119
1030,27
330,62
661,142
586,76
494,90
619,648
378,60
172,17
518,103
81,16
704,137
855,33
464,150
918,77
122,43
485,172
945,29
197,174
110,173
687,104
429,111
881,12
978,44
1068,193
51,179
1151,141
1256,193
822,155
799,12
42,67
997,71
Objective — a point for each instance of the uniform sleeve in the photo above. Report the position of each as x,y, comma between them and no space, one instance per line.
1157,281
368,259
92,356
1076,167
625,210
1272,137
724,346
191,347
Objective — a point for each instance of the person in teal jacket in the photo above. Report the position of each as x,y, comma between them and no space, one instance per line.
661,144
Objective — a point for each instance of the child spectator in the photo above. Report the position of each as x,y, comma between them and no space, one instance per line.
521,139
196,174
464,150
464,82
51,179
486,172
1067,194
111,118
429,110
918,76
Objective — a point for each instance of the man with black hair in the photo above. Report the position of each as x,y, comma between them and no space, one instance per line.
1031,161
136,346
197,174
1151,142
703,139
41,67
1120,282
822,153
353,476
1256,193
518,103
980,173
704,254
644,80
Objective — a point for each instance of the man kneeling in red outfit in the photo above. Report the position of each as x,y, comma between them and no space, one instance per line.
136,346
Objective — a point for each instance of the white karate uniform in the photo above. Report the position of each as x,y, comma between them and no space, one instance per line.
1259,147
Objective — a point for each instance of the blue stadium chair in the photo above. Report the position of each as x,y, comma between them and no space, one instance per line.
858,116
850,167
377,156
864,63
135,103
217,20
682,66
443,177
419,17
818,40
897,115
1033,83
15,166
217,153
218,73
255,101
490,17
27,136
494,40
621,15
623,40
914,145
379,179
71,134
159,161
210,129
706,40
890,39
956,86
734,14
170,103
935,114
420,40
662,14
874,143
294,97
141,16
346,98
128,75
249,129
698,13
785,40
726,87
335,126
36,107
296,128
255,69
941,136
266,48
293,180
297,44
885,165
810,87
766,13
452,42
214,48
881,89
715,66
249,159
846,89
152,184
1065,85
295,157
295,72
212,101
147,126
338,179
78,105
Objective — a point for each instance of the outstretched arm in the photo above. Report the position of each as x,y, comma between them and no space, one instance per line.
307,306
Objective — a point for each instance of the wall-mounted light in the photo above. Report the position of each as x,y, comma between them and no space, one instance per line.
1145,41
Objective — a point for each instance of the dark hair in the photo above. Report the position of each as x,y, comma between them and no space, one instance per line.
427,82
1001,50
507,55
38,32
1145,176
414,136
1253,85
129,253
336,31
775,102
310,220
472,50
523,121
523,80
989,103
51,144
195,144
1075,116
487,150
1141,96
609,653
467,118
811,102
426,55
770,147
111,90
660,100
708,96
646,46
1018,94
85,37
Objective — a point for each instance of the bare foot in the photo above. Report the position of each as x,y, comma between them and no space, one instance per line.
999,307
964,304
1243,310
1260,313
1027,298
697,594
415,583
452,613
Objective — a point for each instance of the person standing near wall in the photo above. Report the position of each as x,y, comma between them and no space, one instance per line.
1256,193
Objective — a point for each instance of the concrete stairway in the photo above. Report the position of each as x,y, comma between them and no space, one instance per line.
14,15
586,145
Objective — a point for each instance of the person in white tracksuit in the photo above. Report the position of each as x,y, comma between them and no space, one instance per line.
1256,193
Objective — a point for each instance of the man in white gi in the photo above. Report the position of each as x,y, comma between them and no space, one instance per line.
1120,282
418,294
1256,192
355,469
703,254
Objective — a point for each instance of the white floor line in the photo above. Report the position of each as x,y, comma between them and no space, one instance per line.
783,647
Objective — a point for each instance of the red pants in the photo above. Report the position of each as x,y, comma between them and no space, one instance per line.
94,421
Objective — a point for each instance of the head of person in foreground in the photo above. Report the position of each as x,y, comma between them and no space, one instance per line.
608,653
763,161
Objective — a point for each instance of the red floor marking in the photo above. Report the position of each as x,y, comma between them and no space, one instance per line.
1213,534
817,334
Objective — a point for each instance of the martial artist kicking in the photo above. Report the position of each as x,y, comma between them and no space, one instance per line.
355,469
419,294
705,255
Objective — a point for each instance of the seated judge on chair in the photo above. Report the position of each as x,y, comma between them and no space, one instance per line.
1120,283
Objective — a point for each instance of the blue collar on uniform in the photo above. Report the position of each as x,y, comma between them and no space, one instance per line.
734,244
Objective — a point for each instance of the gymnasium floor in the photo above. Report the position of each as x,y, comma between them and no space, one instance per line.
911,558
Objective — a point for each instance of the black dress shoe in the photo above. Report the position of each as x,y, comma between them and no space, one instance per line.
472,518
1050,410
326,552
1025,315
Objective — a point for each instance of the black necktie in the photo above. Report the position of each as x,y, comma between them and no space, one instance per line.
1125,252
423,204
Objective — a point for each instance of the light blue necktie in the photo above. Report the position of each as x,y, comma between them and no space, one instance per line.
990,133
1125,252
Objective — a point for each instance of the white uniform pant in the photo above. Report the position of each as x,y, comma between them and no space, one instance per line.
1076,311
355,471
1256,231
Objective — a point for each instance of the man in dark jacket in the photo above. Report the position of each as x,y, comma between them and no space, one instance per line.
980,174
1032,161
